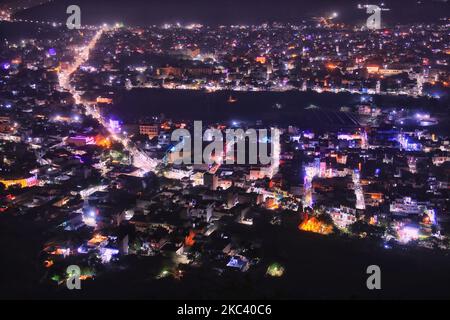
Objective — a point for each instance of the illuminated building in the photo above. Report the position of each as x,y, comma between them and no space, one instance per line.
150,130
311,171
373,69
80,141
238,262
261,60
199,72
390,72
5,125
407,144
431,216
170,71
114,125
23,182
104,100
97,240
407,206
343,216
106,254
419,87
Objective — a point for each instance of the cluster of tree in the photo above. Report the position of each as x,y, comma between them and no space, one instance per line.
362,227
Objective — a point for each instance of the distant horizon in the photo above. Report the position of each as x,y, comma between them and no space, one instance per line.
146,13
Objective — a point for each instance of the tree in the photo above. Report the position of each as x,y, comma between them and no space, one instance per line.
361,226
325,218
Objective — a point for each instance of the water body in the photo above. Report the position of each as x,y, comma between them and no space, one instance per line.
18,31
304,109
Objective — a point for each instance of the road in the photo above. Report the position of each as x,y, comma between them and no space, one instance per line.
140,159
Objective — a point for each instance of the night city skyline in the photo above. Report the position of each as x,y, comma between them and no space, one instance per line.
216,150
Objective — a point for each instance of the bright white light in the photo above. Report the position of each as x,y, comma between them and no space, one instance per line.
408,234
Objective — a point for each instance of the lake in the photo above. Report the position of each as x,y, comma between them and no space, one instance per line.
304,109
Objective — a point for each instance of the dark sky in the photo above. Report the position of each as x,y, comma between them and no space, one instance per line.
145,12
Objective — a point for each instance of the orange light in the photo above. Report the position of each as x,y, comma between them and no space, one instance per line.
104,100
373,69
102,142
426,220
59,252
261,60
189,240
48,263
165,126
331,66
97,239
311,224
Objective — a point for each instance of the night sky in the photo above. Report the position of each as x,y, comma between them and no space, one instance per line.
147,12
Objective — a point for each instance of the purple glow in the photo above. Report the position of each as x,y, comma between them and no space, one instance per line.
79,158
